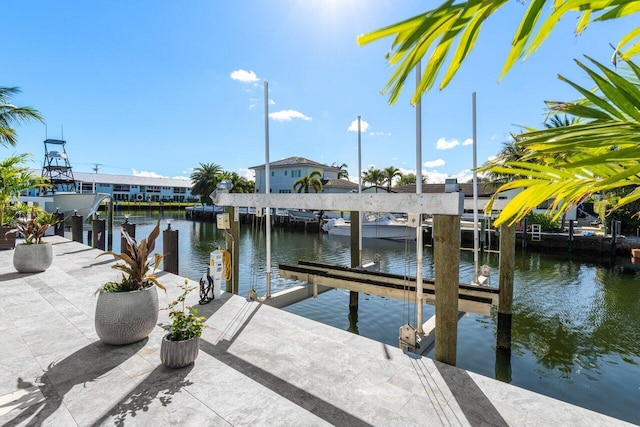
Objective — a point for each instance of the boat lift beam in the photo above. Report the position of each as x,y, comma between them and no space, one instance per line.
473,299
432,204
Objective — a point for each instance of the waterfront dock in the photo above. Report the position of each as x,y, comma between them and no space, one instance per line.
257,366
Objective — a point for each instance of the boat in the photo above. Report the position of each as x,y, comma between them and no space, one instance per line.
63,196
374,226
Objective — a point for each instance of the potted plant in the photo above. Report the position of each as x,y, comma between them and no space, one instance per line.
14,178
127,310
181,345
33,255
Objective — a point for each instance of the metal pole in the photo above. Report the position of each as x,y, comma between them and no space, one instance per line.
476,237
419,243
359,192
267,173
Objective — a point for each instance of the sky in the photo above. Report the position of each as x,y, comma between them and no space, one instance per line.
159,87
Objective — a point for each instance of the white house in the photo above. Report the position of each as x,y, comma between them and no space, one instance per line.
131,188
286,171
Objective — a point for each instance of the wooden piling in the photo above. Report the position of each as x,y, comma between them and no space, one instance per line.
355,254
571,236
170,250
98,227
446,236
76,228
59,227
131,231
232,239
110,225
505,282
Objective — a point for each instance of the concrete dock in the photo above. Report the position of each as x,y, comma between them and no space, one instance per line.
258,365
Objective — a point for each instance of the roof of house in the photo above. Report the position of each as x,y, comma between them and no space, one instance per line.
294,161
131,180
338,183
484,189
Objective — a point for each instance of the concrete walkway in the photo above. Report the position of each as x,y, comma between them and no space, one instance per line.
257,366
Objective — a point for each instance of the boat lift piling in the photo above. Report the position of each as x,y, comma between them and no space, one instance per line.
76,228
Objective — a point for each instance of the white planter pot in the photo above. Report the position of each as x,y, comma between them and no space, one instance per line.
126,317
32,258
178,354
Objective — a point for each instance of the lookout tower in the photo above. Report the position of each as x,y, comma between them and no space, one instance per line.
56,166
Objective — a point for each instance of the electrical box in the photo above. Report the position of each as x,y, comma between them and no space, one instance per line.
215,271
222,221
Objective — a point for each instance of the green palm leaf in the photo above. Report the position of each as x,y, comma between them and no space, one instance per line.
451,30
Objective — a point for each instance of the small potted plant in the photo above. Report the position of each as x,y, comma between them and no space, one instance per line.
127,309
33,255
181,345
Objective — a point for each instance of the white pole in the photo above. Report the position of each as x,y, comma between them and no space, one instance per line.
419,290
476,236
267,178
359,192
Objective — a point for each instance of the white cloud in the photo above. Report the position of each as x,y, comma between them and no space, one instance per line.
491,158
379,133
443,144
244,76
272,102
435,177
249,174
186,178
147,174
353,127
287,116
467,141
434,163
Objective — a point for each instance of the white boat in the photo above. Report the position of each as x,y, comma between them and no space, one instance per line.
63,196
374,226
84,204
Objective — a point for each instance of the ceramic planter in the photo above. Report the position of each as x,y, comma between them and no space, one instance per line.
178,354
32,258
126,317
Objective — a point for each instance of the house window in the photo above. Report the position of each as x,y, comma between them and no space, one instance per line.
272,173
285,173
296,173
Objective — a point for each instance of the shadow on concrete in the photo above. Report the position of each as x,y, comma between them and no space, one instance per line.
81,367
475,405
12,276
296,395
161,385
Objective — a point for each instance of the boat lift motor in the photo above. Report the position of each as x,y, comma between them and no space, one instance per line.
211,281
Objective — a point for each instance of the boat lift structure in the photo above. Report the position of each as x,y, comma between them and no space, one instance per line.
57,167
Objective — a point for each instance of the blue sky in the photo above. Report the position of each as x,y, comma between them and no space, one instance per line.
157,87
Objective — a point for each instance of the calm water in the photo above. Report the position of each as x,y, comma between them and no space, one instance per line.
576,331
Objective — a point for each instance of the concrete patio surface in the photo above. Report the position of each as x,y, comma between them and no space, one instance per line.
257,366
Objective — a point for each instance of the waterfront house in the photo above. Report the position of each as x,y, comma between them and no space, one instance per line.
283,173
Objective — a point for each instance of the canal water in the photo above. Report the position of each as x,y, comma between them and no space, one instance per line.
576,325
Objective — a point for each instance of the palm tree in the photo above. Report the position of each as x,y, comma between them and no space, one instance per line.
373,176
342,173
390,172
410,178
11,115
598,154
312,181
205,179
435,31
240,184
556,121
